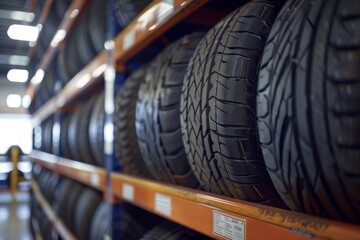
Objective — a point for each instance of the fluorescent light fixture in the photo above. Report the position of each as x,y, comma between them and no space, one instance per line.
17,15
17,75
23,32
59,36
26,100
19,60
38,77
14,60
13,100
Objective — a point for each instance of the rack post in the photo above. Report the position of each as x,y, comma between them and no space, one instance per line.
111,164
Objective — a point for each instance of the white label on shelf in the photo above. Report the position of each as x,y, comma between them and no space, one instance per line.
228,227
128,191
129,40
163,204
94,179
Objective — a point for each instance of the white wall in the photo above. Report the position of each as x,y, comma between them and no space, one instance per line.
15,129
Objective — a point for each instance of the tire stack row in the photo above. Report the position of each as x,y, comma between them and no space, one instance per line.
87,216
263,107
82,132
42,136
47,183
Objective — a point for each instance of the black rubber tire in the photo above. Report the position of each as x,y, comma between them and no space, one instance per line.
46,140
49,81
158,114
64,145
86,49
46,227
126,146
218,106
96,130
61,7
127,10
86,206
72,134
62,68
97,25
100,223
65,187
70,191
172,231
131,226
72,58
83,138
309,107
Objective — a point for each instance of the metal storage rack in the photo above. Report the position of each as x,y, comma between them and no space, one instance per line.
213,215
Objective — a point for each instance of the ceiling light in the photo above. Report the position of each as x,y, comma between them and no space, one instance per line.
13,100
23,32
14,60
17,75
17,15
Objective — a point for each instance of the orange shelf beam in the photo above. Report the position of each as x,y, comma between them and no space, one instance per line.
156,19
86,78
218,216
57,223
87,174
43,15
67,23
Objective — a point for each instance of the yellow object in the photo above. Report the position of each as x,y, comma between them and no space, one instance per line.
14,154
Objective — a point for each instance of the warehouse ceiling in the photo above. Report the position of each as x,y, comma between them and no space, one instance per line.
13,53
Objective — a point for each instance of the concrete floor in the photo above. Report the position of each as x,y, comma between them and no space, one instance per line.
14,216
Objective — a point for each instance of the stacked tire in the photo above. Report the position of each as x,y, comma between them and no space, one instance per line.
308,107
82,135
268,115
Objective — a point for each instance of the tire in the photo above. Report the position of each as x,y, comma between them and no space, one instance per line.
100,224
130,224
86,206
308,107
46,142
64,146
158,114
61,7
62,68
86,49
172,231
83,138
97,25
65,188
70,191
126,146
72,58
72,134
49,81
218,106
96,130
127,10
